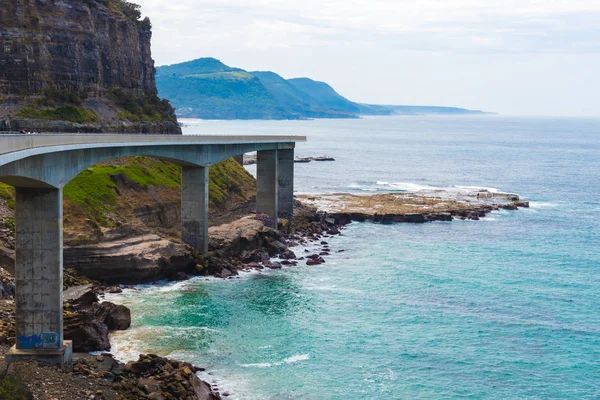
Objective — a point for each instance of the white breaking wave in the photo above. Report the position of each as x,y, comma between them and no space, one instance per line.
290,360
129,344
296,358
419,187
479,189
542,204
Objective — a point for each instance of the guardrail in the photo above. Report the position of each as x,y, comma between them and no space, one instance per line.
10,142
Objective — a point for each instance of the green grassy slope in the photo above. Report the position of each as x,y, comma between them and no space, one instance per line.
210,90
107,195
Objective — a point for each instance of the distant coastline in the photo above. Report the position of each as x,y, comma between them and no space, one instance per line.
208,89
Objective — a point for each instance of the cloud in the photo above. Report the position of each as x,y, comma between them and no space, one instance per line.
432,25
452,52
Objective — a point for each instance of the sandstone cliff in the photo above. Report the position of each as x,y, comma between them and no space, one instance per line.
78,65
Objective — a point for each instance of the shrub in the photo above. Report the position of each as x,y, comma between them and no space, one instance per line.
146,107
12,388
65,113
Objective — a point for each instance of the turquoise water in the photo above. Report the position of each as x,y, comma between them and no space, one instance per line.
505,307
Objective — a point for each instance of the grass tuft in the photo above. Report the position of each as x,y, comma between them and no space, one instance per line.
12,388
65,113
7,193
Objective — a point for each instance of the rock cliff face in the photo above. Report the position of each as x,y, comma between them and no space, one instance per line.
78,65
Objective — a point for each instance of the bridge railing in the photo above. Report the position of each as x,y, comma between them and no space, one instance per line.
10,142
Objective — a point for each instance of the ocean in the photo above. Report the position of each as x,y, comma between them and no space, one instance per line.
502,308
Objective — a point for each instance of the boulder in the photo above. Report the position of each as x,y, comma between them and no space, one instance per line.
116,317
89,335
7,290
179,276
272,265
315,261
288,255
88,327
80,297
275,247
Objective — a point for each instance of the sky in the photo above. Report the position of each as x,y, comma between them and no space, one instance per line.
514,57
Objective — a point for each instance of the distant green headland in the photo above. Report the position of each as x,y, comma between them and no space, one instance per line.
208,89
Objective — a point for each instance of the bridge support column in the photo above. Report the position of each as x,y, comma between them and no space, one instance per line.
267,187
285,180
194,207
39,277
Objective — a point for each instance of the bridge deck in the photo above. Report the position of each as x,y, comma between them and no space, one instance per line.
10,143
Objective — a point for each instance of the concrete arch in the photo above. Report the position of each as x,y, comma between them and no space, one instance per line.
40,166
56,166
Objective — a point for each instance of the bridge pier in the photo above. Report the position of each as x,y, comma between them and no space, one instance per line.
194,207
39,277
267,187
285,182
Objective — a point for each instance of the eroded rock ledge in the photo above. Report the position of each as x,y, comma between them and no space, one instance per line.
416,207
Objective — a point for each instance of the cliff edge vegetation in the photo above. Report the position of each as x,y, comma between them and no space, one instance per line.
137,195
79,66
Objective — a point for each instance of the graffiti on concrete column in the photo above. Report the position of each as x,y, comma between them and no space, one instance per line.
285,215
266,218
46,340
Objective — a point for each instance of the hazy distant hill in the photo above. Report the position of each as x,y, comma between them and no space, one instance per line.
307,98
208,89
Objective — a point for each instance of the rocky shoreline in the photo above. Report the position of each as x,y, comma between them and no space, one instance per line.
413,207
243,245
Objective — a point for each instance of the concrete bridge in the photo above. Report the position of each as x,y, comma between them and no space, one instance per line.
39,166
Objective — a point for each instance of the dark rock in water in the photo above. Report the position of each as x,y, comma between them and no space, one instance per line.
225,273
341,251
323,158
324,243
179,276
253,266
313,256
315,261
272,265
288,255
437,217
511,206
524,204
324,253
